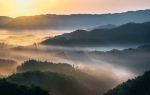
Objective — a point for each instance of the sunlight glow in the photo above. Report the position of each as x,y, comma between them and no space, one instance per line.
16,8
25,2
24,7
26,37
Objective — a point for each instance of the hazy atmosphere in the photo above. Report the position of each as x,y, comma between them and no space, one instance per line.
67,47
15,8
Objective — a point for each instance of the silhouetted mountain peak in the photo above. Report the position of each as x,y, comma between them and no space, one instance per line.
130,33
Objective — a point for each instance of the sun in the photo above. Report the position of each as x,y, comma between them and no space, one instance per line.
15,8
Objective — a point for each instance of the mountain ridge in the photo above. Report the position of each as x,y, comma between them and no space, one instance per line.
130,33
75,21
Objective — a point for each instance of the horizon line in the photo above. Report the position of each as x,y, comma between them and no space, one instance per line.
75,14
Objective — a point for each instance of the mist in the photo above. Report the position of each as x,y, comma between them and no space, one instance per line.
106,66
124,65
27,37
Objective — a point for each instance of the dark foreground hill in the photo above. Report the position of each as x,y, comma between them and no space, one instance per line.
127,34
61,78
56,84
7,88
137,86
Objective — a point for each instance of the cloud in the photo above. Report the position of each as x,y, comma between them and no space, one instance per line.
7,67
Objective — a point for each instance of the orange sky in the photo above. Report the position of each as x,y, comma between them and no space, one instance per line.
34,7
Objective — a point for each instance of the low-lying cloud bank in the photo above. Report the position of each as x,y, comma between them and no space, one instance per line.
108,67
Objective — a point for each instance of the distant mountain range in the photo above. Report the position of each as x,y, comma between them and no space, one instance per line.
135,60
75,21
108,26
130,33
4,20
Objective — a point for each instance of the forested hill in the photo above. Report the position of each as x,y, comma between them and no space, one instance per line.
137,86
7,88
130,33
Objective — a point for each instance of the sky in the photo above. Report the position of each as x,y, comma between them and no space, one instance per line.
16,8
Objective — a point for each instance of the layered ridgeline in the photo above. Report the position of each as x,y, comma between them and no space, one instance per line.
127,34
60,79
108,26
137,86
73,21
7,88
135,60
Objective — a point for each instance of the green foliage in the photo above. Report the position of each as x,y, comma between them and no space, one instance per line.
34,65
7,88
60,77
51,81
137,86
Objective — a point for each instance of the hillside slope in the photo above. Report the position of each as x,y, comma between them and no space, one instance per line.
137,86
7,88
131,33
56,84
